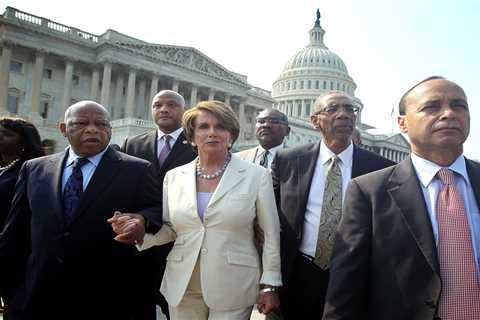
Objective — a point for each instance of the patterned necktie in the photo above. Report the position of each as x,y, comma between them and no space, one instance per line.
264,160
73,189
330,216
165,150
460,296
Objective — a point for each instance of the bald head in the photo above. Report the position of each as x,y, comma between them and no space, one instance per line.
81,105
172,95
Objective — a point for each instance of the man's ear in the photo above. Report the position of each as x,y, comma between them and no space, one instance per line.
63,128
402,123
314,121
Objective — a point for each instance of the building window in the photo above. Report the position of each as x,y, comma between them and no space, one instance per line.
76,80
48,73
309,84
301,84
299,109
13,103
294,85
338,86
44,108
16,66
307,109
288,85
343,87
317,84
331,85
324,85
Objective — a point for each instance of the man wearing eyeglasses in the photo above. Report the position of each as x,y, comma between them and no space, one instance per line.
271,128
310,183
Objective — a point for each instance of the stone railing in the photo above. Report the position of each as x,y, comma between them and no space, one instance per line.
133,122
260,92
24,17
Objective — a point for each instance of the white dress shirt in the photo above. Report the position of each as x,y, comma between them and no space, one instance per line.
271,155
426,172
161,142
315,196
88,169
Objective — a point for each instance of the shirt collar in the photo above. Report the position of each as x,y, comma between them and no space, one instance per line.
427,170
72,156
345,156
175,134
272,151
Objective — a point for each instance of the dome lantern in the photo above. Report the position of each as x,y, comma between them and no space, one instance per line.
317,33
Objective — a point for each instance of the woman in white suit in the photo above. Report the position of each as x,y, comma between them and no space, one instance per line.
210,205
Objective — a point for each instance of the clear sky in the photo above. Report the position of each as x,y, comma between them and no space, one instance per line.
387,46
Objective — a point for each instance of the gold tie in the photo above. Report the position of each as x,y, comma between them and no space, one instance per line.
330,215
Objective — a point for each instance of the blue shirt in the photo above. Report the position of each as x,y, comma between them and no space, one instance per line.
431,186
88,169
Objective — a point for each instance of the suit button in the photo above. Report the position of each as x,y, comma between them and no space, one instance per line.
60,260
204,250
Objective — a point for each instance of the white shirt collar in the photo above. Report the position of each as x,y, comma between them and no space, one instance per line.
272,151
427,170
346,156
175,134
72,156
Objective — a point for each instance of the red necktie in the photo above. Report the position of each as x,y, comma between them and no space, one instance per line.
460,296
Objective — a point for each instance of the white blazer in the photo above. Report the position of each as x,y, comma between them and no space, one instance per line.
230,265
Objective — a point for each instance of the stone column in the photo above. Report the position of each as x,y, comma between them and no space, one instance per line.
241,118
175,85
67,86
153,87
303,111
193,96
106,80
94,85
211,95
227,98
4,78
37,76
130,105
142,88
117,107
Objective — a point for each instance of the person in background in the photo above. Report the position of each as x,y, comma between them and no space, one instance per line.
19,142
166,148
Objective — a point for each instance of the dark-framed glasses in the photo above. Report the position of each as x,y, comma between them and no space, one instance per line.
348,108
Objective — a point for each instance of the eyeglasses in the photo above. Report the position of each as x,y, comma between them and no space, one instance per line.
271,120
330,110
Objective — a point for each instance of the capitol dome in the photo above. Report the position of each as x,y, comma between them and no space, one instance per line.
311,72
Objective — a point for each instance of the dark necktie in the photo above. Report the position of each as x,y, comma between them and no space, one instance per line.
331,214
264,161
165,150
73,188
460,296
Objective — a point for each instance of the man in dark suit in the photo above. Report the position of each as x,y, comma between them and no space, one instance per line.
166,148
58,256
409,241
309,183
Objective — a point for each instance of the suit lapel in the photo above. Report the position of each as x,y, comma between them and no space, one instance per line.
473,170
57,165
306,163
107,168
232,176
405,189
178,148
190,183
151,149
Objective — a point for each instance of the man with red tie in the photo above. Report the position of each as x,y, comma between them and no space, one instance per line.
408,244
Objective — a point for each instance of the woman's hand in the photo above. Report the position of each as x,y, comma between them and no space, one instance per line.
129,227
267,302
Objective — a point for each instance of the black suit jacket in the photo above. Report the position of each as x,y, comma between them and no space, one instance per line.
56,270
292,173
385,263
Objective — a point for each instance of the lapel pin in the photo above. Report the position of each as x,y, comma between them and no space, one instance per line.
184,141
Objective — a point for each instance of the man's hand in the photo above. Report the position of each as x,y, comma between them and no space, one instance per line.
129,227
267,302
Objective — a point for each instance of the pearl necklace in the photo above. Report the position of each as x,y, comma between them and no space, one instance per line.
11,164
201,171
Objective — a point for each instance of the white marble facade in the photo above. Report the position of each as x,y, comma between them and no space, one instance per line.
46,66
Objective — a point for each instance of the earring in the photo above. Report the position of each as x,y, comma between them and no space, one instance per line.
229,145
193,144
